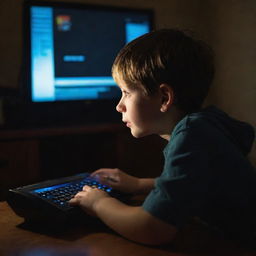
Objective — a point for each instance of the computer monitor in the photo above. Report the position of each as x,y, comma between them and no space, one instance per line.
68,52
70,48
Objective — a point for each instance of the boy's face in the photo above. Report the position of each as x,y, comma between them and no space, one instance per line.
141,113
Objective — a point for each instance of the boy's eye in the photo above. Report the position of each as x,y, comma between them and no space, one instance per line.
125,93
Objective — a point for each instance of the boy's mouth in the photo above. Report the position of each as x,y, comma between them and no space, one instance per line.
128,124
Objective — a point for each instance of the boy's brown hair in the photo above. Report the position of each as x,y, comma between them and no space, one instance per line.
168,56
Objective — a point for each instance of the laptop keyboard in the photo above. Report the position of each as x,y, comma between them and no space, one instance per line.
60,194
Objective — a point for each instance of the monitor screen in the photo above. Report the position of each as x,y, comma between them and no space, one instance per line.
70,48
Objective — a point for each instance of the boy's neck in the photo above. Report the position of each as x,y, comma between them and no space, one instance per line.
174,116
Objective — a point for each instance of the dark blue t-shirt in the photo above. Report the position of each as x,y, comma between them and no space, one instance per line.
206,174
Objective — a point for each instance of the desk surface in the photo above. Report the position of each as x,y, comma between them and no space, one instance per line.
90,241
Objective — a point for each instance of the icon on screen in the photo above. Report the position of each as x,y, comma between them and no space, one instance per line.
63,22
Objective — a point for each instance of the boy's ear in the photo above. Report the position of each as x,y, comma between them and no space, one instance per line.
167,96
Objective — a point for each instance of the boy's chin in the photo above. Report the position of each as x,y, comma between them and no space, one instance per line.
139,134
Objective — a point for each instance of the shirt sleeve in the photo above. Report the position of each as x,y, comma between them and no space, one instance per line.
181,190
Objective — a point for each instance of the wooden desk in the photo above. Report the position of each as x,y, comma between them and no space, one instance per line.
92,241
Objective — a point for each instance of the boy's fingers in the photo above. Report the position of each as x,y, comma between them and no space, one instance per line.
97,176
85,188
73,201
109,179
98,172
104,178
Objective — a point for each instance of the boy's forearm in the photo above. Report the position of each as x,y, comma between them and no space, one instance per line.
110,209
145,185
122,218
131,222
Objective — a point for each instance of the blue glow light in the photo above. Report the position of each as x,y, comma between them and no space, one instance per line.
42,56
85,81
74,58
134,30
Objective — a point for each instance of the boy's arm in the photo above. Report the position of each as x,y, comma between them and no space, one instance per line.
145,185
131,222
123,182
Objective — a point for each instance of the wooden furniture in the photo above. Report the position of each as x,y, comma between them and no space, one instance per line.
92,239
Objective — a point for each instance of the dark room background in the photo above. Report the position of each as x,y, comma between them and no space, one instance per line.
227,25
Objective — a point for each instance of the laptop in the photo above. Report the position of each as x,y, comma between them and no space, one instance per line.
48,200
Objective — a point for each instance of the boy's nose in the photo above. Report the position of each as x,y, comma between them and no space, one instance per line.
120,107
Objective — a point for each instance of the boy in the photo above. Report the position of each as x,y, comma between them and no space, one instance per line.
164,77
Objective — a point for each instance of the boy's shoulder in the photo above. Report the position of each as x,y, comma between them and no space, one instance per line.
217,127
196,120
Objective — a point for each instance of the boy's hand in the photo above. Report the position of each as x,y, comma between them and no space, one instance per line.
87,199
117,179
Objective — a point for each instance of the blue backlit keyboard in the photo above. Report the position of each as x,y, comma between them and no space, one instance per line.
60,194
49,200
